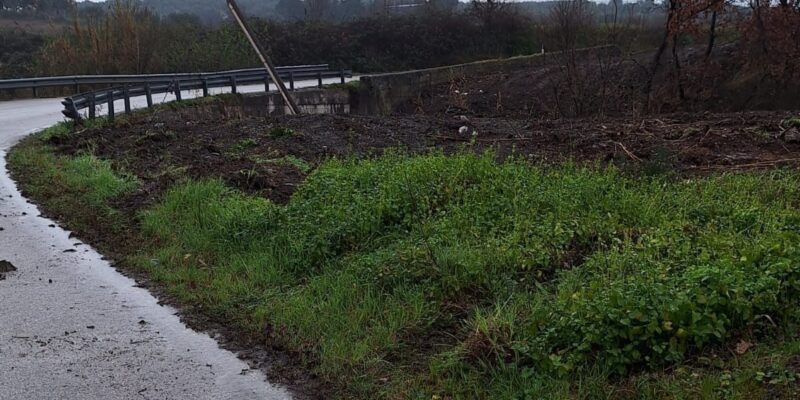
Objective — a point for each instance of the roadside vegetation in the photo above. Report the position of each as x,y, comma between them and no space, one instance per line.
489,248
17,52
77,189
461,276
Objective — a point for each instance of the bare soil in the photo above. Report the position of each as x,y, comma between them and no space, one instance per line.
166,147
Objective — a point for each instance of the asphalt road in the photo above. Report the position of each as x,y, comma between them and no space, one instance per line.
71,327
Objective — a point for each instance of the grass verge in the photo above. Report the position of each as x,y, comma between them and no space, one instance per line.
459,277
75,189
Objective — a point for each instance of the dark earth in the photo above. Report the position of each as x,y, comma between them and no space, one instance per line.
270,157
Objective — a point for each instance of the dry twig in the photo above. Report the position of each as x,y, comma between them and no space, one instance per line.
625,149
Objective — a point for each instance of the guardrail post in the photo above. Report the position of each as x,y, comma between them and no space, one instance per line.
110,105
341,75
233,84
319,80
291,80
127,94
77,87
205,87
148,94
35,92
266,83
92,105
178,90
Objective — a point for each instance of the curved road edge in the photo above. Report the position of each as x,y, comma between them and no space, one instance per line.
73,327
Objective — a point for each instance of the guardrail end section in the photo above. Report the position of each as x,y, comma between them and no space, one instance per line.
70,111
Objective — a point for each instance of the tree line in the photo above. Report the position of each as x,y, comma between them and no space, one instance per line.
127,36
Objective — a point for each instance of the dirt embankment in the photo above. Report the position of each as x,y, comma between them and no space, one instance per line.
272,156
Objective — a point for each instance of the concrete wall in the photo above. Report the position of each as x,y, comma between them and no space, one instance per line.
380,94
310,101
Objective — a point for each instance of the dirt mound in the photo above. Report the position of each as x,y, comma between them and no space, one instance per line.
270,157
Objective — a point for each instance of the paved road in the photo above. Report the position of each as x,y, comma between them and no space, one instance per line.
71,327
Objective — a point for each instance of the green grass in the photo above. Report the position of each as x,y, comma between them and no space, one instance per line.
280,132
76,189
554,273
175,105
352,86
457,277
57,131
792,122
244,145
287,160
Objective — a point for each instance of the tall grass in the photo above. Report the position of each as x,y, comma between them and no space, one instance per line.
458,276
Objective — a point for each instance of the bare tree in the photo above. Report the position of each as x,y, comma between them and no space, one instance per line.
570,22
683,16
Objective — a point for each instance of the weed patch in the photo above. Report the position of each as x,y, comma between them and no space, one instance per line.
368,250
244,145
302,165
77,189
280,132
792,122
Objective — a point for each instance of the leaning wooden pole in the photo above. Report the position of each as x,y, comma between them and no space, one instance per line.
237,13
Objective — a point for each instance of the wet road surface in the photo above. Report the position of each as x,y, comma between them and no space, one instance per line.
71,327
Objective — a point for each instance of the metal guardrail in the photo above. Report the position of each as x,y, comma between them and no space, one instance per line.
123,87
65,81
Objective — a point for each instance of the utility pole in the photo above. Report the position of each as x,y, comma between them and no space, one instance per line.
237,13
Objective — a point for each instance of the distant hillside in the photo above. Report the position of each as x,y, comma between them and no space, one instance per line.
210,11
